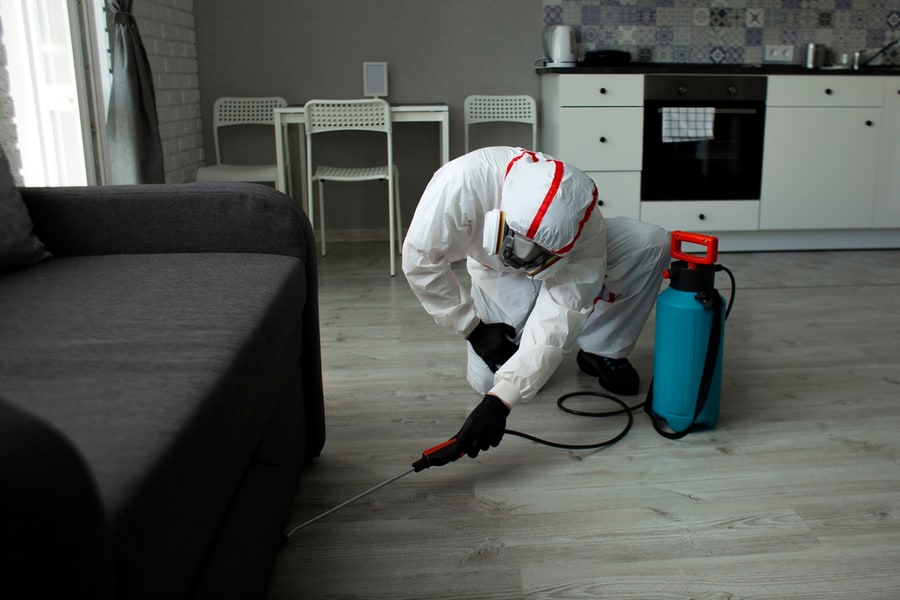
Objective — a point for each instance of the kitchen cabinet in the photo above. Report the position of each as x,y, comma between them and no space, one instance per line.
821,152
887,199
595,122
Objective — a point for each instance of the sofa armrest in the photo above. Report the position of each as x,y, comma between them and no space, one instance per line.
54,540
154,219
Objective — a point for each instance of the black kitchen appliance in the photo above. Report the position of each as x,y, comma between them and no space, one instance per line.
726,167
605,58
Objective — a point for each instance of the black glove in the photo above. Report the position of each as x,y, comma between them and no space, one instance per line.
484,426
493,342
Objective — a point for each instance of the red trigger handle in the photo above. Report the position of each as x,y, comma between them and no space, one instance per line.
439,455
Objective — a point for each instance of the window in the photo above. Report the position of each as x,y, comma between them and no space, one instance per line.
59,79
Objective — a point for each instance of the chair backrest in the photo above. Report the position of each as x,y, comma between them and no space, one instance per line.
231,110
520,108
368,114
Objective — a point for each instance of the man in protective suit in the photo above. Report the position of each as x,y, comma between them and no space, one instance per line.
547,271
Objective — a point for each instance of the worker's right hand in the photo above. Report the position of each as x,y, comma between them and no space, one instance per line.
484,426
493,342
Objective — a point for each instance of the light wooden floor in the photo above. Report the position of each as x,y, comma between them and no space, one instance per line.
795,495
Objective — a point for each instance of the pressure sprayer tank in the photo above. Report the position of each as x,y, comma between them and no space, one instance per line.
687,370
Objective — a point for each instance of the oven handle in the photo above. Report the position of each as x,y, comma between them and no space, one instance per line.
729,111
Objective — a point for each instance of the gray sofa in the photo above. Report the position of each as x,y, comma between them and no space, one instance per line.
160,390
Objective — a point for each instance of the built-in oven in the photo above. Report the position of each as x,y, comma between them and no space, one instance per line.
703,137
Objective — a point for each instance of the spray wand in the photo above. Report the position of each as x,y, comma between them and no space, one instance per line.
435,456
449,451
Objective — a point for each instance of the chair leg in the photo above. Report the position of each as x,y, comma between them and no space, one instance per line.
397,208
391,220
322,214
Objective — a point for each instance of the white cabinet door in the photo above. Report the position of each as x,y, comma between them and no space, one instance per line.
819,168
618,192
601,139
887,204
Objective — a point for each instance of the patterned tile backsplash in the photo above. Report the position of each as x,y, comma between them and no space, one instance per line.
729,31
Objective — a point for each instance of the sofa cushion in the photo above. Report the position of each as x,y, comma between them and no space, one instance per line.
163,370
19,246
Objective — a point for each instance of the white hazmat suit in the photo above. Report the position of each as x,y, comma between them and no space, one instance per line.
555,206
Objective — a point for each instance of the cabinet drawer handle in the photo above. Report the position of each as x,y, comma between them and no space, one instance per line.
702,217
603,91
599,202
602,139
829,91
869,123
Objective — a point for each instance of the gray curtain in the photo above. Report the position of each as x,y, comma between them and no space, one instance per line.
134,144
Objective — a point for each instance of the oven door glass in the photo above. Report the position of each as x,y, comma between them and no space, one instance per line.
728,167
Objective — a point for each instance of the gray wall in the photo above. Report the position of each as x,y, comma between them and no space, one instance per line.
437,51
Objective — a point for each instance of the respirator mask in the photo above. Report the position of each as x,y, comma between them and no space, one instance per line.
517,251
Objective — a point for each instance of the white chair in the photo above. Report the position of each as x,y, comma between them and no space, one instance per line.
232,111
371,115
510,108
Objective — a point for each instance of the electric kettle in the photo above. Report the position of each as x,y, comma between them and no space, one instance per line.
559,46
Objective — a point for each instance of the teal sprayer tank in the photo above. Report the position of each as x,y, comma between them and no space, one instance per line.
690,336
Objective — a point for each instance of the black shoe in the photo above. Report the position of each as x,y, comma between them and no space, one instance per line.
615,374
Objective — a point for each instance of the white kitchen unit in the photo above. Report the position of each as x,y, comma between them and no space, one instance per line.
595,122
821,152
831,161
887,197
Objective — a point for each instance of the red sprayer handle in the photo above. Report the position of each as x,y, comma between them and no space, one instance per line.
707,241
439,455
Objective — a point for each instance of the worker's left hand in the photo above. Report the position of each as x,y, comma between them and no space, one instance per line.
493,342
484,426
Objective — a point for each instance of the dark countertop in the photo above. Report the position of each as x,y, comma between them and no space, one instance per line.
713,69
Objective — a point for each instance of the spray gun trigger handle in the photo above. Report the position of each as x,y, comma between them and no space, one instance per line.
439,455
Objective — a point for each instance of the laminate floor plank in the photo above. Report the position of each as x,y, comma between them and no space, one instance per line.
795,494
